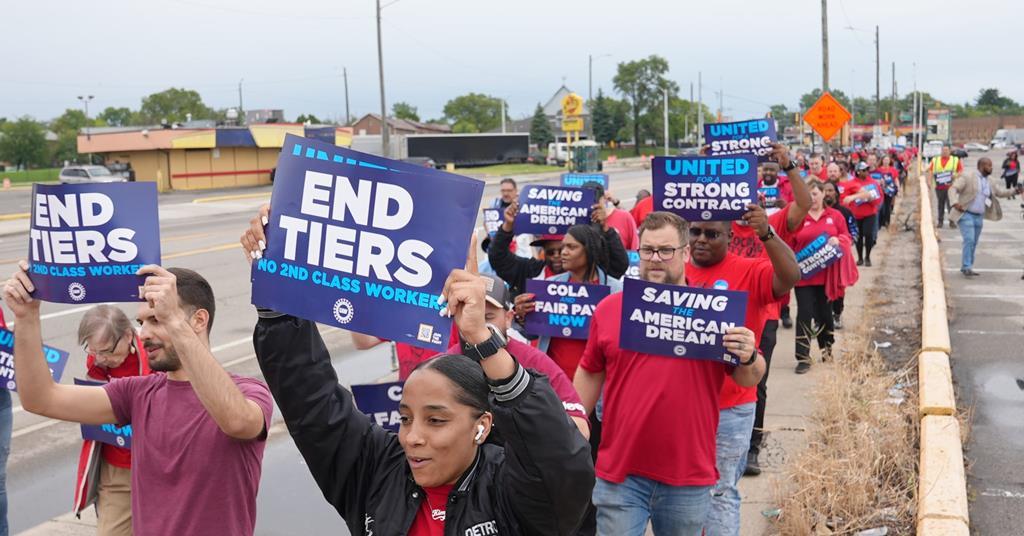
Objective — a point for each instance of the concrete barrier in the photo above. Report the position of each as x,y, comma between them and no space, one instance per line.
942,488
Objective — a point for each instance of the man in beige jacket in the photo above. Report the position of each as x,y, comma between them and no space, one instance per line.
975,199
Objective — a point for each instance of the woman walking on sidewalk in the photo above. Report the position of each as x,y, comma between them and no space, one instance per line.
863,196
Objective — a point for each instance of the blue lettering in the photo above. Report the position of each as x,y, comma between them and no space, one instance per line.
567,320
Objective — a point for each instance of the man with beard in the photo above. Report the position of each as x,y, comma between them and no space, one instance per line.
198,431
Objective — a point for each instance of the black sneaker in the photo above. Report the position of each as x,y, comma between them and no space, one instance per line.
838,320
867,263
860,262
753,468
802,367
787,322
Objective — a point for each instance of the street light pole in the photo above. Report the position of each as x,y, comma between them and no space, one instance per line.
878,81
88,133
383,105
348,116
665,119
824,65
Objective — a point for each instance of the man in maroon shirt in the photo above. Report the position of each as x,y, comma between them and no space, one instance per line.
656,462
198,431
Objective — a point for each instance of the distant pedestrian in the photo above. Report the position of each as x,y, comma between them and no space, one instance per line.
974,197
942,171
1011,170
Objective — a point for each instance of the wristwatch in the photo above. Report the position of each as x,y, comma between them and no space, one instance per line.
790,167
770,235
753,358
479,352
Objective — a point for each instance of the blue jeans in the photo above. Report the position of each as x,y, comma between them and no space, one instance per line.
970,229
624,509
5,448
735,425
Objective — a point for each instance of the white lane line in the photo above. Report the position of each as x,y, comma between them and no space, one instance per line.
981,332
58,314
990,296
1006,494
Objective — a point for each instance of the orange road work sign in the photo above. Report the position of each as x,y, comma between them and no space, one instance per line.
827,116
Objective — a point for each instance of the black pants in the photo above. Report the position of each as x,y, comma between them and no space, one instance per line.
867,230
589,525
943,198
767,347
813,315
885,212
837,306
1011,180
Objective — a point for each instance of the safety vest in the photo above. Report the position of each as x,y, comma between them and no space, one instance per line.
944,174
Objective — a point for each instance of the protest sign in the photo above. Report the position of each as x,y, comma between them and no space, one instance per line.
634,264
493,219
887,182
379,401
364,243
677,321
817,256
55,359
708,188
86,241
563,308
873,193
754,136
577,180
111,434
552,209
767,197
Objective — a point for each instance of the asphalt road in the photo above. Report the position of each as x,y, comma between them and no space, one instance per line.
987,332
203,237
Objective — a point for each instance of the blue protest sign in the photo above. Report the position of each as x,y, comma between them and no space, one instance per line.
492,220
563,309
577,180
817,256
633,271
754,136
379,401
363,242
887,182
705,188
86,241
873,193
552,209
55,359
677,321
111,434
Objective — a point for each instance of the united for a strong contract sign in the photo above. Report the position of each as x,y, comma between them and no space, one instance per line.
755,137
55,359
705,188
677,321
363,242
87,241
552,209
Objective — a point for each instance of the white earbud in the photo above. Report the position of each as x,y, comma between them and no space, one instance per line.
479,433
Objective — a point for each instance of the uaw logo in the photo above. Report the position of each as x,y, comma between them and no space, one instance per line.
721,284
120,441
343,311
679,350
706,215
552,229
11,385
566,332
76,291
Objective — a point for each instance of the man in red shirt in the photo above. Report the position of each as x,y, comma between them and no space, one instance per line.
816,167
765,281
642,208
656,462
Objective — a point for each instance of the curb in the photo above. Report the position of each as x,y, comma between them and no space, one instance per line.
942,507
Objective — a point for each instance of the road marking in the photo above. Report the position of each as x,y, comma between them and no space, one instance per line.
1006,494
210,249
980,332
184,237
16,216
990,296
216,198
994,270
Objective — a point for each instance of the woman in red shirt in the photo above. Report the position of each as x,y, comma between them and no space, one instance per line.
888,177
104,471
812,305
863,196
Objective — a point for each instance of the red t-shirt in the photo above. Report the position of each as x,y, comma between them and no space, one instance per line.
533,358
890,179
429,519
409,356
188,477
745,243
660,413
623,222
642,208
864,209
566,354
132,366
755,277
831,222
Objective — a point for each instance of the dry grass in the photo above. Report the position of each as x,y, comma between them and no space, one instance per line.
859,470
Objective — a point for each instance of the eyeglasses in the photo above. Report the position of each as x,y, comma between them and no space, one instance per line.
102,353
665,253
710,234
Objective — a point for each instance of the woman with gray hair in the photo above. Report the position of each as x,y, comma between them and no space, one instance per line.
113,350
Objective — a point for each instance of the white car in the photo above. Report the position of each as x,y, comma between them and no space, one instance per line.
87,175
975,147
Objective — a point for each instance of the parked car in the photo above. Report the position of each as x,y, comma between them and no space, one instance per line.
88,175
959,153
424,161
975,147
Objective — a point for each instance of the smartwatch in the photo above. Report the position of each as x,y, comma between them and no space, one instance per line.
768,236
479,352
790,167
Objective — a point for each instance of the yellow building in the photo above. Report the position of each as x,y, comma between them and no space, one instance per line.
192,159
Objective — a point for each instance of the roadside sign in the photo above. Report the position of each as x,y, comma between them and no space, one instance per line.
572,124
572,105
827,116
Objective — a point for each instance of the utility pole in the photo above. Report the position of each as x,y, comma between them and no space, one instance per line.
88,133
700,110
665,118
590,77
502,116
241,110
348,117
383,102
686,117
892,115
878,81
824,64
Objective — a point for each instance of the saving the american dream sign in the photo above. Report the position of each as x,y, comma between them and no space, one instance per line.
112,433
705,188
55,359
563,309
364,243
552,209
754,136
678,321
86,241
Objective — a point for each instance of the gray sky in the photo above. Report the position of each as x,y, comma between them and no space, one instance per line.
291,53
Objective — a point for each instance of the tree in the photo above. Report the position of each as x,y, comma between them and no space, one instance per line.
540,128
783,116
23,142
308,118
682,115
609,117
116,117
67,127
473,112
173,105
404,110
642,82
990,97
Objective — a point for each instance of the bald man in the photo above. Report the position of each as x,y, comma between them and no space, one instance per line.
974,197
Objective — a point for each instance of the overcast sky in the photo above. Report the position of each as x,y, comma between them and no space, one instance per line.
291,53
